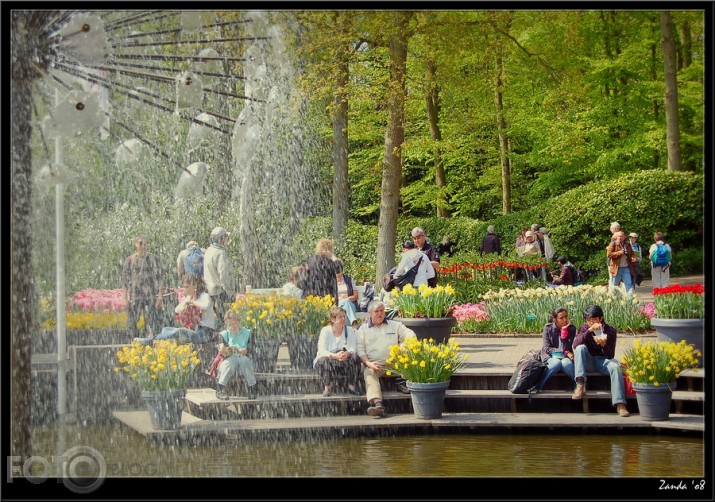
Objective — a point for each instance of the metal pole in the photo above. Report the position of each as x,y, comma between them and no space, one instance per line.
62,356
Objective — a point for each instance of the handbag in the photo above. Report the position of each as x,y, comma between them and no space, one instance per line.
407,278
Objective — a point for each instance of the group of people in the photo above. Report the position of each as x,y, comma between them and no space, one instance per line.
624,259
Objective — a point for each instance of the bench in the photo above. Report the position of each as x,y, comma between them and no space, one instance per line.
360,291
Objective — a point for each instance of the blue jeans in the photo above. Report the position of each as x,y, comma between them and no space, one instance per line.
587,363
623,274
553,366
183,335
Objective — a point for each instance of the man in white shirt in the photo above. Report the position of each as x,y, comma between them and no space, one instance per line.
374,339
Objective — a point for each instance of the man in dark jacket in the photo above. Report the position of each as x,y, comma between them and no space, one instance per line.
490,242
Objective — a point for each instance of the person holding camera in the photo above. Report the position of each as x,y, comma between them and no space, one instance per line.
337,354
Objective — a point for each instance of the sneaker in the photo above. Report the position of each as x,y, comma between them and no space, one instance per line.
579,392
222,394
622,410
376,410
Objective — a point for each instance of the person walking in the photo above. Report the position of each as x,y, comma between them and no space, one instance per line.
219,274
660,256
638,253
620,261
142,277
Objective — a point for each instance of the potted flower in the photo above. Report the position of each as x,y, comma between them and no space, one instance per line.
427,310
427,367
653,368
680,314
162,372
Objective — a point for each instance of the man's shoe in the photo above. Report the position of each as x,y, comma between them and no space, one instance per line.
580,391
221,393
402,387
376,410
622,410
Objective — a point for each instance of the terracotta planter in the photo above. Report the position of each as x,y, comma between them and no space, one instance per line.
675,330
439,329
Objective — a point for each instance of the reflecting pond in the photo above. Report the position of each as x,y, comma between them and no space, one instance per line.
129,454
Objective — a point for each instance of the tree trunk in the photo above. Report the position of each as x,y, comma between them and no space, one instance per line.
341,190
433,107
27,46
501,129
685,47
394,138
654,78
671,92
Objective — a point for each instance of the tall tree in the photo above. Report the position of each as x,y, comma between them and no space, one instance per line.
28,54
672,127
433,108
394,138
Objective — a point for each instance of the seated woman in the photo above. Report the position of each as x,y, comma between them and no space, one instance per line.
557,351
567,276
347,294
291,288
234,352
195,312
337,353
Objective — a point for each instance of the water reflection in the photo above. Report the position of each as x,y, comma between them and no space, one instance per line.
460,455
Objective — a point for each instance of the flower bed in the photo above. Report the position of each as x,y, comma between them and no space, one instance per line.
680,302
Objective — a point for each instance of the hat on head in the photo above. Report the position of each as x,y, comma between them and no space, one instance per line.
408,245
217,233
529,233
543,230
633,234
490,229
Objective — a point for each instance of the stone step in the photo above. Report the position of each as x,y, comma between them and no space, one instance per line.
203,403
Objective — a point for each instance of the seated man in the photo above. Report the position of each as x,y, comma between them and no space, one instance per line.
374,339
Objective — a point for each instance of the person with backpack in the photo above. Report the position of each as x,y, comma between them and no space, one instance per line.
190,260
660,261
567,276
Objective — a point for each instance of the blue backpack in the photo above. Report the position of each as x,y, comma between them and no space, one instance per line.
661,257
194,261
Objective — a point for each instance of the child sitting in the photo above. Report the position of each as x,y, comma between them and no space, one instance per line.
234,352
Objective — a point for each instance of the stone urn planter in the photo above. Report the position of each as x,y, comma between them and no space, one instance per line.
654,401
428,398
439,329
675,330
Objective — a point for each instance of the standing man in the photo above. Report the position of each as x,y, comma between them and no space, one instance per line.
219,273
490,242
620,261
374,339
142,280
420,239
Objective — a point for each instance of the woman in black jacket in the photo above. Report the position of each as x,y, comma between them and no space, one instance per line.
557,351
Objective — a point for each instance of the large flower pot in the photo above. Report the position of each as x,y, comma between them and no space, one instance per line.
675,330
165,407
428,398
302,349
438,328
654,401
